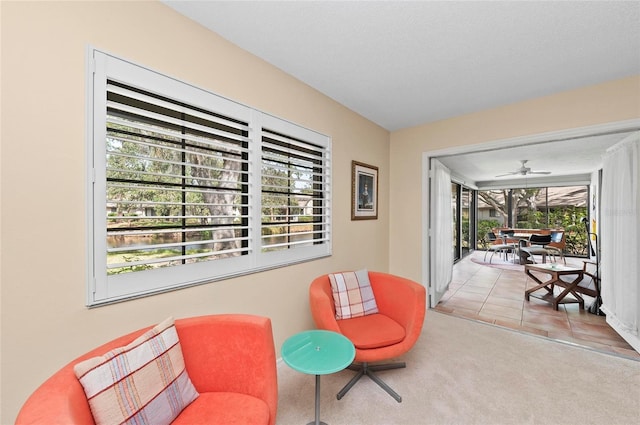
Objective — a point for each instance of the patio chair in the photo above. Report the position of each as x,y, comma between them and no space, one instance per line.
590,282
557,245
535,246
497,245
507,233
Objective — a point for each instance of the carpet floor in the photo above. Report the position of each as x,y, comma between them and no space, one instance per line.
466,372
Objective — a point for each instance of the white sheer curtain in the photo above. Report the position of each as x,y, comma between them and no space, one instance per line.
441,246
621,237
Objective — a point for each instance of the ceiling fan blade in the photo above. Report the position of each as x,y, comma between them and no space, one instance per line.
523,170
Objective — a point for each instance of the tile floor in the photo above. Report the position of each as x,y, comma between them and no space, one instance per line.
496,296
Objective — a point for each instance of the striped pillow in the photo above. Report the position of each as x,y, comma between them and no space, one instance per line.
143,383
352,294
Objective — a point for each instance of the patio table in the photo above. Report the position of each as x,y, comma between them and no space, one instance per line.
555,271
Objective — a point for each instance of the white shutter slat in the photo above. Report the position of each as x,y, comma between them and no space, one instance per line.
112,88
168,157
293,176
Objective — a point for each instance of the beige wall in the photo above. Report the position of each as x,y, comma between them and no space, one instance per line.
44,321
608,102
43,318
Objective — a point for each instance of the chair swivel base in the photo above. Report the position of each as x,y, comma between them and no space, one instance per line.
366,369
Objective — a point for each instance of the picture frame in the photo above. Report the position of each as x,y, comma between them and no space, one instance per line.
364,191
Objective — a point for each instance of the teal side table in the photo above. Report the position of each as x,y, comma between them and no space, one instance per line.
318,353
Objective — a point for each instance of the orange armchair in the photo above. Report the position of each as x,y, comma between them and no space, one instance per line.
230,359
377,337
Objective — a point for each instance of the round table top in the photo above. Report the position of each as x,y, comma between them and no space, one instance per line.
318,352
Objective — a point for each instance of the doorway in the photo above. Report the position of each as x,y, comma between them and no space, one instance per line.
572,138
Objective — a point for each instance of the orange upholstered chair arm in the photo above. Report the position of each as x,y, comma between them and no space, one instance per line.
231,353
321,304
401,299
61,399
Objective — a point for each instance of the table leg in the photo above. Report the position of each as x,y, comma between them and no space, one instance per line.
541,285
317,421
570,288
549,286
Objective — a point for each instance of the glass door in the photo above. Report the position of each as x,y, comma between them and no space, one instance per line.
455,210
463,209
466,223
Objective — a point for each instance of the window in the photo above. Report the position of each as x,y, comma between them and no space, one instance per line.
560,207
188,187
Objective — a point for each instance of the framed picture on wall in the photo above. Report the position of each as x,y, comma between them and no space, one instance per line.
364,191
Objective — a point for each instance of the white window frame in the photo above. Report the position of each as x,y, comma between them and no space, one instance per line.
104,289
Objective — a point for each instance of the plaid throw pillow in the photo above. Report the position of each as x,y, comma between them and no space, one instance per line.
143,383
352,294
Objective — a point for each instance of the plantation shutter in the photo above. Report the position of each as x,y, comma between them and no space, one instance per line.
182,191
295,192
176,182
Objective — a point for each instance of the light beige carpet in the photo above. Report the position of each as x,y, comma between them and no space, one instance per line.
465,372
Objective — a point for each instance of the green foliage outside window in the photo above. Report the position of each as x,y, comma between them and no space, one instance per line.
530,215
485,226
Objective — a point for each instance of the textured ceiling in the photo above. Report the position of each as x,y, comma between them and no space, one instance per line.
562,159
402,64
406,63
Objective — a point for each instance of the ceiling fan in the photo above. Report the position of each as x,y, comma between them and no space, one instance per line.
524,170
